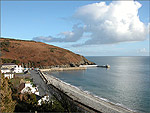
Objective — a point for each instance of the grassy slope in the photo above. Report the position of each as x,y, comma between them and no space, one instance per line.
38,53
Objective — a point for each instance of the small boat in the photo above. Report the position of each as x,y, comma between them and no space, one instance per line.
104,66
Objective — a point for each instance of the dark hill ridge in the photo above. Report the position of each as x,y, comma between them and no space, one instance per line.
38,54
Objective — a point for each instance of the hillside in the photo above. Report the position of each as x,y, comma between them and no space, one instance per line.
38,54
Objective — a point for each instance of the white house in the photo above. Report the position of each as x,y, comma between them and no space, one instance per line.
18,69
8,65
42,99
28,88
11,67
9,75
5,70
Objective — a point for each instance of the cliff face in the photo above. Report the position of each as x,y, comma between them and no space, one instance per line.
38,54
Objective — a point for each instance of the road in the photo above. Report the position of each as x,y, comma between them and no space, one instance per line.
43,88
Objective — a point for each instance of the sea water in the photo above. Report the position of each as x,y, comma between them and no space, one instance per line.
126,82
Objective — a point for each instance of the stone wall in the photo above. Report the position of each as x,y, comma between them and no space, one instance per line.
84,98
64,69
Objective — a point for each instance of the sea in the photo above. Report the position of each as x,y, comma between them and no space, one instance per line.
126,83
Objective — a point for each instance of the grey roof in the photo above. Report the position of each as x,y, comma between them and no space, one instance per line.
8,64
38,97
5,69
8,73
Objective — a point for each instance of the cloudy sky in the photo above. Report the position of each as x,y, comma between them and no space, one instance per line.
90,28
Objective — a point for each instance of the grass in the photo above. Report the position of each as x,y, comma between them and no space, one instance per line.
16,81
27,79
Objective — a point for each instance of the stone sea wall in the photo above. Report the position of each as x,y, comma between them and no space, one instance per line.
83,97
64,69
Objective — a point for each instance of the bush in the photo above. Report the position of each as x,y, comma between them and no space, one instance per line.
5,60
16,61
52,49
5,43
38,62
6,49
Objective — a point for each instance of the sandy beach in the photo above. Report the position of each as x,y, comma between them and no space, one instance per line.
85,98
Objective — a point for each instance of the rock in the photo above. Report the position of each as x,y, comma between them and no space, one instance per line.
72,65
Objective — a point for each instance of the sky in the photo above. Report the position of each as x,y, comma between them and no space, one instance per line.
89,28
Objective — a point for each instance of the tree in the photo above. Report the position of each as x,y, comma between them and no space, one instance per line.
7,104
67,103
51,106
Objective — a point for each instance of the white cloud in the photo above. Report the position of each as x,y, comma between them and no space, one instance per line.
107,24
68,36
116,22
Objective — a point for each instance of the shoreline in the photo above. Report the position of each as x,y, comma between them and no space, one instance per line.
83,97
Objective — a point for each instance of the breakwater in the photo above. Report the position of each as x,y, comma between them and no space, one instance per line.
82,97
64,69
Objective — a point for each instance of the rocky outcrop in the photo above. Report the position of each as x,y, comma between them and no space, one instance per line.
38,54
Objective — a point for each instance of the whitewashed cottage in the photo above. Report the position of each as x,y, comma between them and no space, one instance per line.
8,69
28,88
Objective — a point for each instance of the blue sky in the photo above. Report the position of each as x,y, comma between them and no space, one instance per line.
65,24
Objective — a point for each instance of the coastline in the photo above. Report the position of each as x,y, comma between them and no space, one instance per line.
83,97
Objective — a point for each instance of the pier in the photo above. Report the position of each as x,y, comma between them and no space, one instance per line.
64,69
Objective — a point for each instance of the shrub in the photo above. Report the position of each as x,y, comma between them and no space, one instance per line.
16,61
5,60
5,43
38,62
52,49
6,49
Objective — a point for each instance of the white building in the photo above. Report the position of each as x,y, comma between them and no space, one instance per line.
11,67
9,75
43,99
28,88
5,70
18,69
8,65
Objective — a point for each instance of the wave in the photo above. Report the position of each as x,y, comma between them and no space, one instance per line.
92,94
106,100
